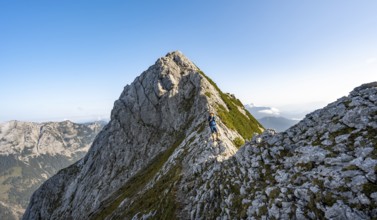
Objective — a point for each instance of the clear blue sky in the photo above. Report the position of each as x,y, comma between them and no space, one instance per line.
71,59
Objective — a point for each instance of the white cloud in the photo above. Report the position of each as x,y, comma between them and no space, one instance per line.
271,111
371,60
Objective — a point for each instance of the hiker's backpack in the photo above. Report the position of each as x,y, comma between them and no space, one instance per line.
212,121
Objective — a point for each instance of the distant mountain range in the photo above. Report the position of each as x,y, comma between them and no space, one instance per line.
271,117
30,153
277,123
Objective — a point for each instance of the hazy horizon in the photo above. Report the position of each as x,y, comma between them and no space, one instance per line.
71,60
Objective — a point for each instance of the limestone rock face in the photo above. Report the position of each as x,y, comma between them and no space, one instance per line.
30,153
155,158
158,134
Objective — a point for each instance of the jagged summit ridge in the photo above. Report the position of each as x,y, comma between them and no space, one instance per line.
158,129
30,139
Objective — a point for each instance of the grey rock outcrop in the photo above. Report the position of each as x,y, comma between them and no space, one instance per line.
30,153
155,158
323,167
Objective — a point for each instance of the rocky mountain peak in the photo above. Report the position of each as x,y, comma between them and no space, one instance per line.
158,128
176,58
173,79
155,159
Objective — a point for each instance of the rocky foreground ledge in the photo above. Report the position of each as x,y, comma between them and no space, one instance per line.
323,167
